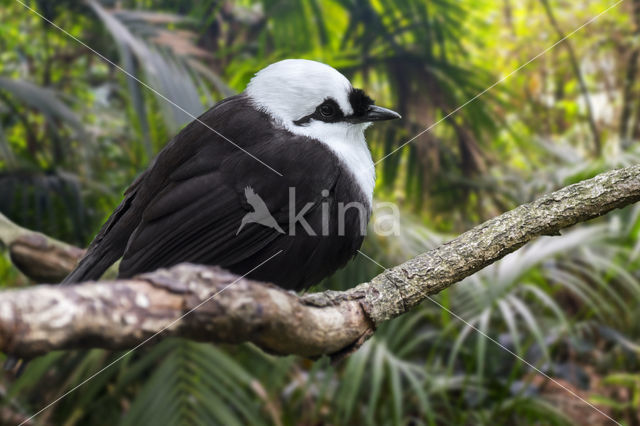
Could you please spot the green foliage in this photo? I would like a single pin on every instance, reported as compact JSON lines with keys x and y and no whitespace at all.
{"x":75,"y":131}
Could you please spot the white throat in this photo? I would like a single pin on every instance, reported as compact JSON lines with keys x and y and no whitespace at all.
{"x":291,"y":89}
{"x":348,"y":143}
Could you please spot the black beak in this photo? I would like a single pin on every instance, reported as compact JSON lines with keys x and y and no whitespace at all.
{"x":374,"y":113}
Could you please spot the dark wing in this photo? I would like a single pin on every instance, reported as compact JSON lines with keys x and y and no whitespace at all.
{"x":110,"y":243}
{"x":195,"y":215}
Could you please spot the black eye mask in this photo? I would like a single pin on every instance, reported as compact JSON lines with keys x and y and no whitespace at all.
{"x":328,"y":111}
{"x":360,"y":102}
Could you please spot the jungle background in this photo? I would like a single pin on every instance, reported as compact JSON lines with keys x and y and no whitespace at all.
{"x":75,"y":131}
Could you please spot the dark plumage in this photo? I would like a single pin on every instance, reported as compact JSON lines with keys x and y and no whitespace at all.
{"x":205,"y":200}
{"x":359,"y":101}
{"x":188,"y":205}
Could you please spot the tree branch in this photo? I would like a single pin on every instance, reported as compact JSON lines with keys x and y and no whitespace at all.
{"x":124,"y":313}
{"x":41,"y":258}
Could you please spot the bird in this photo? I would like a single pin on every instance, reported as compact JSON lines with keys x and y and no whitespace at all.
{"x":260,"y":213}
{"x":297,"y":128}
{"x":263,"y":184}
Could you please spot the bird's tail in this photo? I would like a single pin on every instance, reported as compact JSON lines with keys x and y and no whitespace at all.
{"x":242,"y":224}
{"x":106,"y":248}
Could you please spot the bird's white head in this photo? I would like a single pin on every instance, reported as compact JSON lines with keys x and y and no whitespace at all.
{"x":312,"y":99}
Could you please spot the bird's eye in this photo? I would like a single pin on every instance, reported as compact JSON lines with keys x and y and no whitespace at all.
{"x":327,"y":110}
